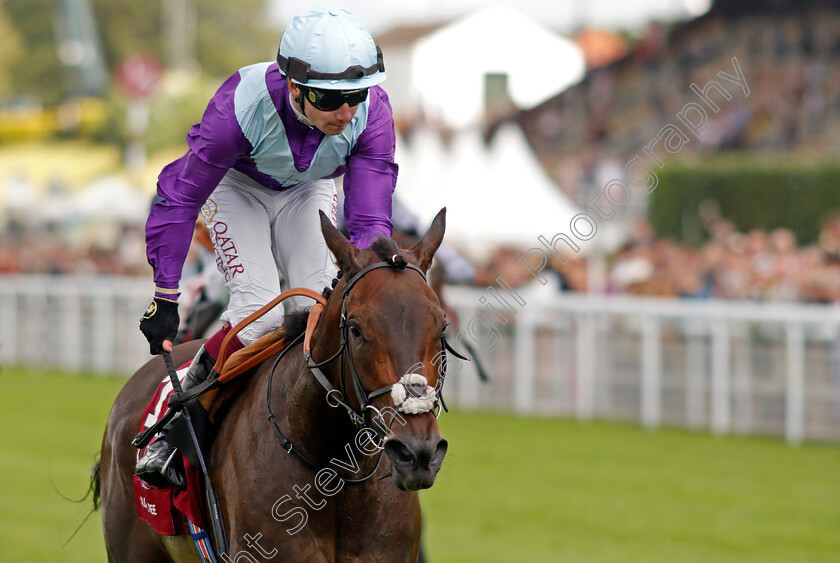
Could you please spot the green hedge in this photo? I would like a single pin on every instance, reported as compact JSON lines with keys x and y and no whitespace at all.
{"x":752,"y":195}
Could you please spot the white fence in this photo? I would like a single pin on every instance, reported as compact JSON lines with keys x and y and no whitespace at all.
{"x":74,"y":322}
{"x":730,"y":367}
{"x":748,"y":368}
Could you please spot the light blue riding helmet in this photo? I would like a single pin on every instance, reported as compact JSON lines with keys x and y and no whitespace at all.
{"x":328,"y":48}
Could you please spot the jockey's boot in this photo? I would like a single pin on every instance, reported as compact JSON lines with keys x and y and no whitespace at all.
{"x":161,"y":465}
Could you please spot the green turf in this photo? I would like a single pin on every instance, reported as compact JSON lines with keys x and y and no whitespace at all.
{"x":51,"y":426}
{"x":518,"y":489}
{"x":511,"y":489}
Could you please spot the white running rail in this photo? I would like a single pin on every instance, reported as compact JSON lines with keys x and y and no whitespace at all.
{"x":729,"y":367}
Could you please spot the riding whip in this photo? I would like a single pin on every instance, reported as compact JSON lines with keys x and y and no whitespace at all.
{"x":213,"y":505}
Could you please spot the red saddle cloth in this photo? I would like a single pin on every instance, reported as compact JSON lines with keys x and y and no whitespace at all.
{"x":166,"y":509}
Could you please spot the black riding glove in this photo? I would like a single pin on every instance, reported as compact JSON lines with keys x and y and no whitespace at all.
{"x":160,"y":323}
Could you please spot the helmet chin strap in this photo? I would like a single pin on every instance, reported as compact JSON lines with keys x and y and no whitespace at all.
{"x":300,"y":102}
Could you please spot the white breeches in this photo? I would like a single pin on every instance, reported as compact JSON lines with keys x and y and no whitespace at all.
{"x":260,"y":234}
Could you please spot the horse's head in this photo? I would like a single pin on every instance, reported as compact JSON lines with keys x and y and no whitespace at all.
{"x":391,"y":325}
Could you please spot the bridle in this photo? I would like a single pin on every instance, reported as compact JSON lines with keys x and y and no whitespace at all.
{"x":337,"y":397}
{"x":368,"y":419}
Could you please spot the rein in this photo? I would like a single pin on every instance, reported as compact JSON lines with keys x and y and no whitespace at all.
{"x":287,"y":444}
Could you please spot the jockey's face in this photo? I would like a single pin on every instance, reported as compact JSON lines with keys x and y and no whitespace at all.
{"x":330,"y":122}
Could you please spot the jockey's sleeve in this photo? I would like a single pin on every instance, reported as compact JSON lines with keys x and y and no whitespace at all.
{"x":371,"y":175}
{"x":184,"y":185}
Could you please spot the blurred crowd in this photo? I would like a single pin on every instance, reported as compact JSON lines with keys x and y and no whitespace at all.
{"x":41,"y":250}
{"x":791,"y":65}
{"x":756,"y":265}
{"x":767,"y":265}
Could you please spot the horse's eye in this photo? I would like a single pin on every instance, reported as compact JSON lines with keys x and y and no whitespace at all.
{"x":354,"y":330}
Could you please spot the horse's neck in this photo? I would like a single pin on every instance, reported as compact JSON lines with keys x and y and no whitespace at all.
{"x":321,"y":431}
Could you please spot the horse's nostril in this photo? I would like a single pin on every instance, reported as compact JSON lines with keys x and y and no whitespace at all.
{"x":440,"y":453}
{"x":441,"y":449}
{"x":399,"y":452}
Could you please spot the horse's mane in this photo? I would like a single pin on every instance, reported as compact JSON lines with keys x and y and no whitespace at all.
{"x":294,"y":324}
{"x":389,"y":251}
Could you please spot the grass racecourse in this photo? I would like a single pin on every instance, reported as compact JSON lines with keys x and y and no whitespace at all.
{"x":511,"y":489}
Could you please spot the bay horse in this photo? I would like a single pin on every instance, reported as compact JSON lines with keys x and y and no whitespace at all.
{"x":309,"y":482}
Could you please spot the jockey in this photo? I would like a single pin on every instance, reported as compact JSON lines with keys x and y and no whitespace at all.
{"x":260,"y":165}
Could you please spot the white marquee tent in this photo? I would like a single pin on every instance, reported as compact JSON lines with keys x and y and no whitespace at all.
{"x":510,"y":202}
{"x":495,"y":196}
{"x":449,"y":65}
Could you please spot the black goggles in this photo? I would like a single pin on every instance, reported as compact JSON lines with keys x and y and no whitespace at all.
{"x":331,"y":100}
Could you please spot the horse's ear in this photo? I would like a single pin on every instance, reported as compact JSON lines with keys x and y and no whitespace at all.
{"x":345,"y":252}
{"x":426,"y":247}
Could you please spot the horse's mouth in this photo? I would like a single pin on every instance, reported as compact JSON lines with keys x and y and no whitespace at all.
{"x":415,"y":462}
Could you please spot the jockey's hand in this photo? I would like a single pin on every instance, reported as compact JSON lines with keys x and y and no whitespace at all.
{"x":160,"y":325}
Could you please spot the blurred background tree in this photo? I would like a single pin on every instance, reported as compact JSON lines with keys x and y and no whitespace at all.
{"x":38,"y":73}
{"x":11,"y":51}
{"x":223,"y":35}
{"x":58,"y":60}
